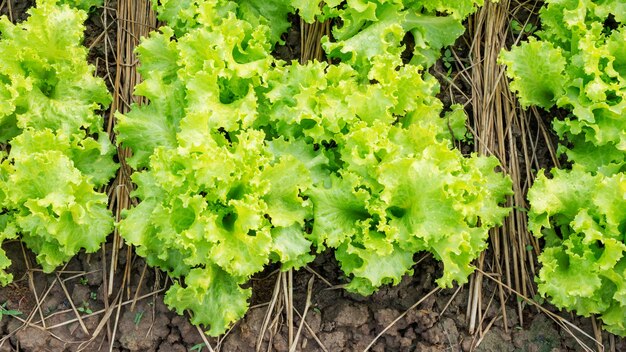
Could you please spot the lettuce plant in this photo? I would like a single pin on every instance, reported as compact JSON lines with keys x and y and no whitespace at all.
{"x":581,"y":218}
{"x":577,"y":63}
{"x":375,"y":28}
{"x":56,"y":152}
{"x":217,"y":202}
{"x":245,"y":160}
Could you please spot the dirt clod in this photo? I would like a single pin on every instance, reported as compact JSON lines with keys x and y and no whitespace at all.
{"x":140,"y":331}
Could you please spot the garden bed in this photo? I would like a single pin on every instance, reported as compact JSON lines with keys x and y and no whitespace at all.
{"x":111,"y":300}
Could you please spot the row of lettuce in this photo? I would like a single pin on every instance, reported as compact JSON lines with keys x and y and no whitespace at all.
{"x":244,"y":160}
{"x":578,"y":65}
{"x":248,"y":160}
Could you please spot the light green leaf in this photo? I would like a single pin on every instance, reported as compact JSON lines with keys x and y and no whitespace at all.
{"x":373,"y":269}
{"x":292,"y":249}
{"x":536,"y":69}
{"x":213,"y":297}
{"x":337,"y":209}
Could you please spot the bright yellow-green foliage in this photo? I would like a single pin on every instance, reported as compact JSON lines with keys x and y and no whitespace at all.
{"x":250,"y":160}
{"x":579,"y":64}
{"x":81,"y":4}
{"x":59,"y":153}
{"x":581,"y":217}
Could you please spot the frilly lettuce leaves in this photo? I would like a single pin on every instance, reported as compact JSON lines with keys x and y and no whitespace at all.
{"x":377,"y":28}
{"x":58,"y":153}
{"x":581,"y":218}
{"x":578,"y":64}
{"x":44,"y":75}
{"x":184,"y":15}
{"x":85,"y":5}
{"x":213,"y":295}
{"x":390,"y":204}
{"x":245,"y":159}
{"x":218,"y":201}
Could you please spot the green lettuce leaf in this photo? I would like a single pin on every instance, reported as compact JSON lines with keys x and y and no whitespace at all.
{"x":185,"y":15}
{"x":581,"y":69}
{"x":372,"y":269}
{"x":537,"y":72}
{"x":290,"y":247}
{"x":45,"y":70}
{"x":82,"y":4}
{"x":58,"y":153}
{"x":377,"y":28}
{"x":55,"y":206}
{"x":581,"y":217}
{"x":214,"y":298}
{"x":8,"y":229}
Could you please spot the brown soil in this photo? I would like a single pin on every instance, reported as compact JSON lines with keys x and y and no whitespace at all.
{"x":339,"y":320}
{"x":70,"y":309}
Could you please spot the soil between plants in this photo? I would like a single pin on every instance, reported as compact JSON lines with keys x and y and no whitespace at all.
{"x":339,"y":320}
